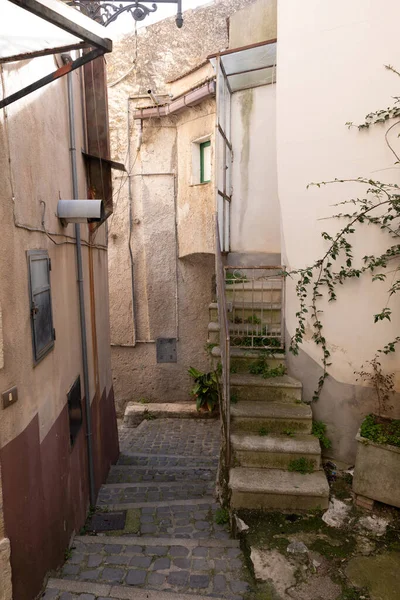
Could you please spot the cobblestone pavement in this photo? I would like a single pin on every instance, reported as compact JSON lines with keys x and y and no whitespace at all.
{"x":173,"y":436}
{"x":152,"y":492}
{"x":166,"y":477}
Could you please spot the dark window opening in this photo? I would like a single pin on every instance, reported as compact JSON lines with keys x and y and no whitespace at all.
{"x":43,"y":334}
{"x":75,"y":410}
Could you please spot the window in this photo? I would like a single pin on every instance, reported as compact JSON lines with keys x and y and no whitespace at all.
{"x":74,"y":410}
{"x":43,"y":334}
{"x":205,"y":162}
{"x":201,"y":160}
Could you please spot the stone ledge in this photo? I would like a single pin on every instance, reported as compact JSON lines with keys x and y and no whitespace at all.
{"x":135,"y":413}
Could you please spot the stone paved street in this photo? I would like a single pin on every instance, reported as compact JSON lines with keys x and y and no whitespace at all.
{"x":172,"y":545}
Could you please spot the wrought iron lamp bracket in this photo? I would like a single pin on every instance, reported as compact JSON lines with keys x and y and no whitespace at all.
{"x":108,"y":11}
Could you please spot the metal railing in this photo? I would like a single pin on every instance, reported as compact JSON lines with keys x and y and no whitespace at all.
{"x":225,"y":349}
{"x":255,"y":300}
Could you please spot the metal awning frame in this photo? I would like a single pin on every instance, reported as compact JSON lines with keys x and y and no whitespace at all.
{"x":218,"y":58}
{"x":89,"y":40}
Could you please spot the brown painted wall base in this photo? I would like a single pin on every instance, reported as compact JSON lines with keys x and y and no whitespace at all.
{"x":45,"y":491}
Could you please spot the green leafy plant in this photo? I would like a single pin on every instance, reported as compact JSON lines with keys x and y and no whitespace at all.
{"x":254,"y":320}
{"x":381,"y":431}
{"x":67,"y":553}
{"x":261,"y":367}
{"x":319,"y":430}
{"x":234,"y":277}
{"x":378,"y":205}
{"x":301,"y":465}
{"x":289,"y":432}
{"x":234,"y":398}
{"x":234,"y":367}
{"x":144,"y":401}
{"x":263,"y":431}
{"x":209,"y":346}
{"x":221,"y":516}
{"x":205,"y":389}
{"x":149,"y":416}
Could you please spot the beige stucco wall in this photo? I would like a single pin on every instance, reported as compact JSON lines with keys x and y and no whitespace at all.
{"x":35,"y":168}
{"x":315,"y":98}
{"x":255,"y":213}
{"x":172,"y":237}
{"x":256,"y":23}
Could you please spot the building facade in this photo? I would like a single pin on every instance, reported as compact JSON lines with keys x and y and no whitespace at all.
{"x":44,"y":460}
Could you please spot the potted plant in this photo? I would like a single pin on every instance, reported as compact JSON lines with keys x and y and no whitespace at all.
{"x":377,"y":468}
{"x":205,"y":389}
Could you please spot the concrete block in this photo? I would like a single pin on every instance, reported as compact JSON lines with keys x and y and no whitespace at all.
{"x":377,"y":472}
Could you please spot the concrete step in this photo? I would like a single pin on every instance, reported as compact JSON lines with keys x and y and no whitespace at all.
{"x":211,"y":567}
{"x":254,"y":291}
{"x":242,"y":359}
{"x":135,"y":474}
{"x":248,"y":387}
{"x":272,"y":417}
{"x":136,"y":412}
{"x":264,"y":489}
{"x":241,"y":333}
{"x":243,"y":312}
{"x":274,"y":451}
{"x":125,"y":493}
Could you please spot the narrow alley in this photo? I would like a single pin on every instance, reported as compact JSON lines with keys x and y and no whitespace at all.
{"x":174,"y":537}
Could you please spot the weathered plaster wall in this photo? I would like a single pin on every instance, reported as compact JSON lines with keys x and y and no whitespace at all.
{"x":255,"y":213}
{"x":34,"y":174}
{"x":256,"y":23}
{"x":313,"y":144}
{"x":172,"y":219}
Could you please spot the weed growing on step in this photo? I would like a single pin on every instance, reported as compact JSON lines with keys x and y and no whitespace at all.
{"x":234,"y":277}
{"x":149,"y":416}
{"x":209,"y":346}
{"x":263,"y":431}
{"x":144,"y":401}
{"x":221,"y":516}
{"x":234,"y":367}
{"x":68,"y":554}
{"x":234,"y":398}
{"x":289,"y":432}
{"x":319,"y":430}
{"x":301,"y":465}
{"x":261,"y":367}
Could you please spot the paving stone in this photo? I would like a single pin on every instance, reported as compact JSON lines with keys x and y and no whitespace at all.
{"x":117,"y":559}
{"x":233,"y":552}
{"x":66,"y":596}
{"x":94,"y":560}
{"x":147,"y":528}
{"x":90,"y":574}
{"x":140,"y":561}
{"x":133,"y":550}
{"x":178,"y":551}
{"x":70,"y":569}
{"x":161,"y":564}
{"x":136,"y":577}
{"x":156,"y":578}
{"x":115,"y":575}
{"x":199,"y":551}
{"x":87,"y":597}
{"x":178,"y":578}
{"x":157,"y":550}
{"x":199,"y":581}
{"x":202,"y":524}
{"x":50,"y":594}
{"x":239,"y":586}
{"x":112,"y":548}
{"x":219,"y":583}
{"x":182,"y":563}
{"x":199,"y":564}
{"x":76,"y":558}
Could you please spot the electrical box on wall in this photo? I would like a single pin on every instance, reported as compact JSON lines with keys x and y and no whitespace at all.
{"x":9,"y":397}
{"x":166,"y":350}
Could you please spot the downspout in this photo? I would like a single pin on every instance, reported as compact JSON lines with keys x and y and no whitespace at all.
{"x":72,"y":149}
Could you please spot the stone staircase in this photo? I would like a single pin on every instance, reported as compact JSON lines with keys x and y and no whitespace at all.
{"x":270,"y":425}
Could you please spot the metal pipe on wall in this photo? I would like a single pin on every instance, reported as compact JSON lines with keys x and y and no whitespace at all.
{"x":85,"y":367}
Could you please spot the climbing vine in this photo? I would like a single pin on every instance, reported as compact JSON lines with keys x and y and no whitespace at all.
{"x":379,"y":206}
